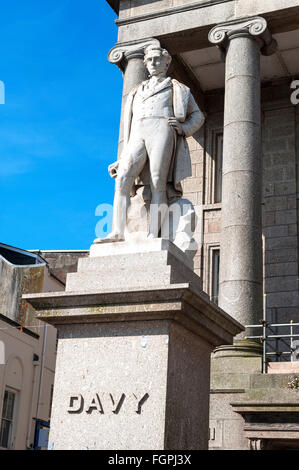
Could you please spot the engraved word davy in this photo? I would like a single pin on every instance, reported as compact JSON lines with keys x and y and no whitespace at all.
{"x":105,"y":403}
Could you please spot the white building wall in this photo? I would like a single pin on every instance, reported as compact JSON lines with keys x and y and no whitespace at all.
{"x":31,"y":381}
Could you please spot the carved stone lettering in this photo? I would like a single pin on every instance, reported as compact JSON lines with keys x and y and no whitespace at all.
{"x":95,"y":405}
{"x":76,"y":404}
{"x":117,"y":403}
{"x":141,"y":402}
{"x":108,"y":403}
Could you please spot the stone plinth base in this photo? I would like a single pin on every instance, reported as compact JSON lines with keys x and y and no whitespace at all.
{"x":125,"y":265}
{"x":270,"y":413}
{"x":133,"y":364}
{"x":231,"y":370}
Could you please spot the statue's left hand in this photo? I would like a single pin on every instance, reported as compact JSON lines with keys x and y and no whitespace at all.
{"x":173,"y":122}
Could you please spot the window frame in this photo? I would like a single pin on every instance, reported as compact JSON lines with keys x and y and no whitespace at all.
{"x":213,"y":160}
{"x":218,"y":165}
{"x":215,"y":279}
{"x":11,"y":420}
{"x":209,"y":275}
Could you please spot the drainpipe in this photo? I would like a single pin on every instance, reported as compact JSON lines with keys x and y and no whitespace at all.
{"x":35,"y":363}
{"x":40,"y":387}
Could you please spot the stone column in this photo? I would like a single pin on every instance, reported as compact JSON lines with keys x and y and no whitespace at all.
{"x":129,"y":58}
{"x":241,"y":237}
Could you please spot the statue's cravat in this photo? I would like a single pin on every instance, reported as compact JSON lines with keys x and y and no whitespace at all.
{"x":155,"y":85}
{"x":153,"y":82}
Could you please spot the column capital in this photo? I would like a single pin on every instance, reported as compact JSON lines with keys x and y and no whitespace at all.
{"x":256,"y":27}
{"x":121,"y":53}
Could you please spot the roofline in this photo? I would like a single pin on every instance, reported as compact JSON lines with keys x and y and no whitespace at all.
{"x":58,"y":251}
{"x":55,"y":277}
{"x":18,"y":326}
{"x":38,"y":260}
{"x":115,"y":5}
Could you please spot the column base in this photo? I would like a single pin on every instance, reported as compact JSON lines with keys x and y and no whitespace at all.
{"x":239,"y":348}
{"x":231,"y":368}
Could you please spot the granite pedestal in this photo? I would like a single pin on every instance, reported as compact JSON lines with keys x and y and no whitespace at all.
{"x":133,"y":363}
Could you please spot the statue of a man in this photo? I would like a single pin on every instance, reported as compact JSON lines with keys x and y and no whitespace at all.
{"x":159,"y":114}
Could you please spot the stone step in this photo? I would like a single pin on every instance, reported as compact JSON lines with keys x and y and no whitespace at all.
{"x":133,"y":261}
{"x":133,"y":247}
{"x":120,"y":278}
{"x":126,"y":265}
{"x":84,"y":281}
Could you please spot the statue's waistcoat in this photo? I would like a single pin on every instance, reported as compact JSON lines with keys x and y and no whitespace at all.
{"x":159,"y":104}
{"x":170,"y":98}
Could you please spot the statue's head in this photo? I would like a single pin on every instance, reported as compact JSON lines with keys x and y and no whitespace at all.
{"x":156,"y":60}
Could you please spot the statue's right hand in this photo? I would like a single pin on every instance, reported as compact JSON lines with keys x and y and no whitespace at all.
{"x":113,"y":169}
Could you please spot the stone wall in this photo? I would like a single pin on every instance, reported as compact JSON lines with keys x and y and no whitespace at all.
{"x":131,"y":8}
{"x":280,"y":221}
{"x":62,"y":262}
{"x":16,"y":280}
{"x":238,"y":391}
{"x":198,"y":189}
{"x":280,"y":136}
{"x":193,"y":188}
{"x":139,"y":19}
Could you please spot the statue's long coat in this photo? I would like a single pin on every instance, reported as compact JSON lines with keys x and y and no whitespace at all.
{"x":187,"y":112}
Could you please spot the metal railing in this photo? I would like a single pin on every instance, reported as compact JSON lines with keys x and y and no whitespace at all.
{"x":268,"y":336}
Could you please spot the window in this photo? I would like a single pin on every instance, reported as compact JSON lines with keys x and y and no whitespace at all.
{"x":7,"y":419}
{"x":218,"y":145}
{"x":211,"y":271}
{"x":213,"y":166}
{"x":215,"y":275}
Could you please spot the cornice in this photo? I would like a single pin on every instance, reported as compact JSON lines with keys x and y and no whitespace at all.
{"x":170,"y":11}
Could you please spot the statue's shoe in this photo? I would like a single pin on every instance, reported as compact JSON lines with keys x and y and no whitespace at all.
{"x":111,"y":238}
{"x":150,"y":236}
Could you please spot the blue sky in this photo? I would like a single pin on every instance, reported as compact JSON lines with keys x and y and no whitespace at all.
{"x":59,"y":125}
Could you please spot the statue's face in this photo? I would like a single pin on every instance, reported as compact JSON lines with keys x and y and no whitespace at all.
{"x":156,"y":63}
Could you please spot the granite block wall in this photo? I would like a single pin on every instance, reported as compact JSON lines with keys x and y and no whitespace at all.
{"x":280,"y":157}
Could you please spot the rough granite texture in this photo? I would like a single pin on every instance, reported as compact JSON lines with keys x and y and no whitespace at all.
{"x":126,"y":264}
{"x":240,"y":289}
{"x":103,"y":359}
{"x":149,"y":359}
{"x":120,"y":345}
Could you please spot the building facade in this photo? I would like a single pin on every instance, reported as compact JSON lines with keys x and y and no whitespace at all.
{"x":240,"y":60}
{"x":27,"y":351}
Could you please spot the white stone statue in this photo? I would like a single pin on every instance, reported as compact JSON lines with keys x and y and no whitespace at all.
{"x":159,"y":114}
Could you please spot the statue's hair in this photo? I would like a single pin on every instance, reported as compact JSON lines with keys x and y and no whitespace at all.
{"x":162,"y":51}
